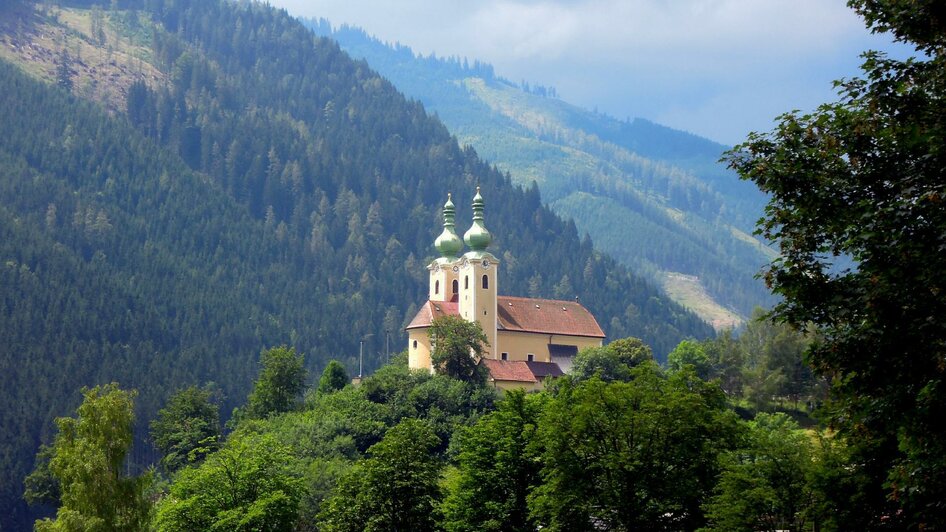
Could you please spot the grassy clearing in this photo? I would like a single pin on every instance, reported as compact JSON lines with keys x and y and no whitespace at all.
{"x":689,"y":292}
{"x":101,"y":71}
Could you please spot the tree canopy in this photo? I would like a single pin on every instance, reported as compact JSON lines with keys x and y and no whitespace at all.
{"x":187,"y":428}
{"x":87,"y":458}
{"x":333,"y":378}
{"x":857,"y":211}
{"x":458,"y":346}
{"x":280,"y":384}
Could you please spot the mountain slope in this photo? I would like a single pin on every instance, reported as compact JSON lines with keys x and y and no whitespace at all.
{"x":685,"y":207}
{"x":220,"y":181}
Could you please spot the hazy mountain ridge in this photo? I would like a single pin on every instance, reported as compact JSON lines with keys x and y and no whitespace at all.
{"x":670,"y":179}
{"x":252,"y":186}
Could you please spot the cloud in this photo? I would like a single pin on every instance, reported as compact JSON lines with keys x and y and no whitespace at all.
{"x":725,"y":64}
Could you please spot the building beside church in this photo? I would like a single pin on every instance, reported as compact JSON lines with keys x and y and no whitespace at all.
{"x":529,"y":339}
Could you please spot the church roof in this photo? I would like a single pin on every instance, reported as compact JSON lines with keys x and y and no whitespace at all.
{"x":546,"y":316}
{"x":431,"y":310}
{"x":521,"y":370}
{"x":523,"y":314}
{"x":509,"y":370}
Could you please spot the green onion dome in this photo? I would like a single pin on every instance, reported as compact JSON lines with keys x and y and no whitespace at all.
{"x":477,"y":237}
{"x":448,"y":243}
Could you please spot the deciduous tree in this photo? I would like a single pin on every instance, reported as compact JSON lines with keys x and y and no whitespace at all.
{"x":862,"y":180}
{"x":396,"y":488}
{"x":280,"y":384}
{"x":497,"y":469}
{"x":458,"y":345}
{"x":252,"y":483}
{"x":334,"y":378}
{"x":631,"y":455}
{"x":187,"y":428}
{"x":87,"y":458}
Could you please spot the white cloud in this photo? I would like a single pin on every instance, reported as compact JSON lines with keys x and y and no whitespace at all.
{"x":693,"y":63}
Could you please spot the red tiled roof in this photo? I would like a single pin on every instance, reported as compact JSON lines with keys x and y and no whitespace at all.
{"x":433,"y":309}
{"x":522,"y":314}
{"x":547,"y":316}
{"x":508,"y":370}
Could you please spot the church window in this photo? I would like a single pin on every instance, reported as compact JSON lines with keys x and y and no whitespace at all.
{"x":456,"y":286}
{"x":415,"y":344}
{"x":466,"y":282}
{"x":531,"y":357}
{"x":485,"y":282}
{"x":437,"y":287}
{"x":505,"y":356}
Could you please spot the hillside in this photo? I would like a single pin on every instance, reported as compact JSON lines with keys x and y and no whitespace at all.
{"x":654,"y":198}
{"x":186,"y":184}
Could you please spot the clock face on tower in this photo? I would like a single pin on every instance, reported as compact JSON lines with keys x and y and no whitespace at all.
{"x":485,"y":263}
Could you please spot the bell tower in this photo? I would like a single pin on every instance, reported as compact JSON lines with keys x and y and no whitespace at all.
{"x":444,"y":270}
{"x":478,"y":278}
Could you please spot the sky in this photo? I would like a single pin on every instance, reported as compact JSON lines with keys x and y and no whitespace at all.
{"x":717,"y":68}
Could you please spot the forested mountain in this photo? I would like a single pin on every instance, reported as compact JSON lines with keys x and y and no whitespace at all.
{"x":186,"y":182}
{"x":655,"y":198}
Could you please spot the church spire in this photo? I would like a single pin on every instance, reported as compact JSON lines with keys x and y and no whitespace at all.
{"x":477,"y":237}
{"x":448,"y":243}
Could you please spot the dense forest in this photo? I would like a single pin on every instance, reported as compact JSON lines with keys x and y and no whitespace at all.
{"x":617,"y":444}
{"x":679,"y":209}
{"x":256,"y":188}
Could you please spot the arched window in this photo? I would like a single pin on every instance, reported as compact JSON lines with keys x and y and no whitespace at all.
{"x":466,"y":282}
{"x":456,"y":286}
{"x":436,"y":287}
{"x":415,"y":344}
{"x":485,"y":281}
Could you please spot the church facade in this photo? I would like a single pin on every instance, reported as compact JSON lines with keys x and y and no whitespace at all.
{"x":529,"y":339}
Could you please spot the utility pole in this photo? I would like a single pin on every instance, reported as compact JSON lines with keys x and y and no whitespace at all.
{"x":361,"y":354}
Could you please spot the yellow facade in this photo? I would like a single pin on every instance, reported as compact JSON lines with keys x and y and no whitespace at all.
{"x":519,"y":345}
{"x":443,"y":280}
{"x":418,"y":349}
{"x":515,"y":385}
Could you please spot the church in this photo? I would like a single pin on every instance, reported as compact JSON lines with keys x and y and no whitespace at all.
{"x":529,"y":339}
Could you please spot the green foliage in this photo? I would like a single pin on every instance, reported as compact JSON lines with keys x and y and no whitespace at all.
{"x":611,"y":362}
{"x":631,"y":455}
{"x":497,"y":469}
{"x":252,"y":483}
{"x":42,"y":486}
{"x":188,"y":428}
{"x":765,"y":365}
{"x":280,"y":384}
{"x":87,"y":459}
{"x":690,"y":353}
{"x":396,"y":488}
{"x":862,"y":179}
{"x":770,"y":483}
{"x":458,"y":346}
{"x":333,"y":378}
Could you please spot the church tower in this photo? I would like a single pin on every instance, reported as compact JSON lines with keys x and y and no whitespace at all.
{"x":478,"y":278}
{"x":444,"y":270}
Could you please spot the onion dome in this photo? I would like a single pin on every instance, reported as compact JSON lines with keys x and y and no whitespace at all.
{"x":477,"y":237}
{"x":448,"y":243}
